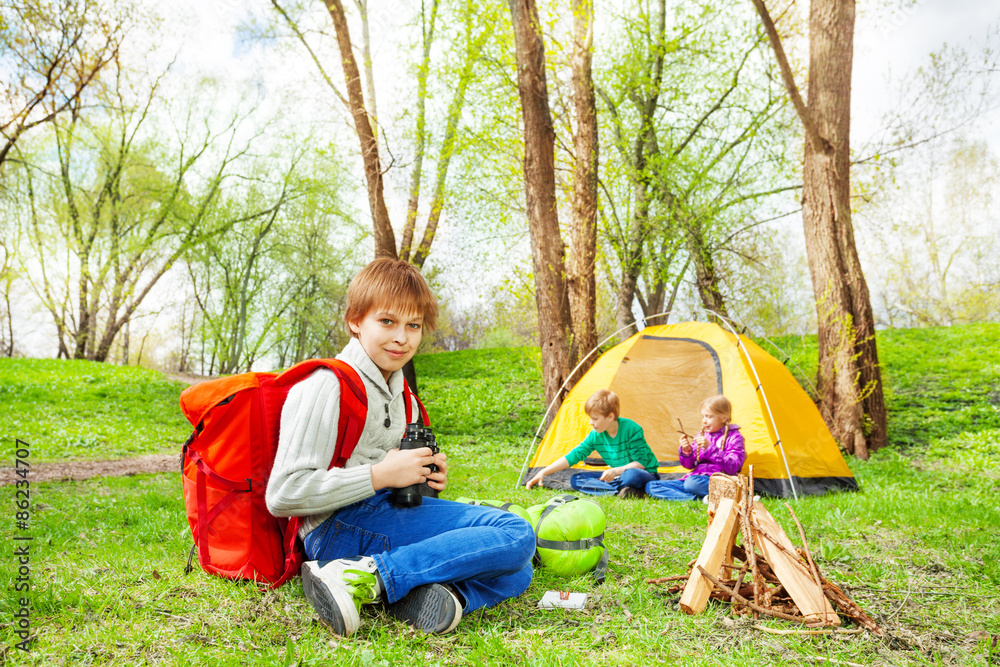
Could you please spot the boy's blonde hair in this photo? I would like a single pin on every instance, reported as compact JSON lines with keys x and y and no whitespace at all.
{"x":393,"y":284}
{"x":718,"y":405}
{"x":604,"y":403}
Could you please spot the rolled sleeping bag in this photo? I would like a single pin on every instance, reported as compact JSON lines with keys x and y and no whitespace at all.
{"x":569,"y":536}
{"x":500,"y":505}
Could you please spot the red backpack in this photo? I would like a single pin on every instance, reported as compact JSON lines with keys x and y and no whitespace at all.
{"x":227,"y":461}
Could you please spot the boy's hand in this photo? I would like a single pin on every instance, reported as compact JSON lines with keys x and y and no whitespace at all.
{"x":402,"y":467}
{"x":537,"y":479}
{"x":610,"y":474}
{"x":438,"y":480}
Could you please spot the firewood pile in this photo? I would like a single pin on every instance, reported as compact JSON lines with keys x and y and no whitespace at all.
{"x":766,"y":574}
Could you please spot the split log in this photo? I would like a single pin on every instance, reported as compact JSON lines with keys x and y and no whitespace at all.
{"x":742,"y":600}
{"x":698,"y":588}
{"x":796,"y":578}
{"x":722,"y":486}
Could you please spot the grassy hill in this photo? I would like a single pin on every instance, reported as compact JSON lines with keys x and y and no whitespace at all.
{"x":916,"y":547}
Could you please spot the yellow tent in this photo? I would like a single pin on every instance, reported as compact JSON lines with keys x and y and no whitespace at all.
{"x":663,"y":373}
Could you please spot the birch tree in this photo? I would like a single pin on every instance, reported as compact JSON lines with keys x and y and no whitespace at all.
{"x":698,"y":137}
{"x":117,"y":205}
{"x":50,"y":53}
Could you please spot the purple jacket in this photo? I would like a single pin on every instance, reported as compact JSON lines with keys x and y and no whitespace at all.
{"x":727,"y":458}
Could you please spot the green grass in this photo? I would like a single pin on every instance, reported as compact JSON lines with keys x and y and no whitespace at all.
{"x":82,"y":410}
{"x":916,"y":547}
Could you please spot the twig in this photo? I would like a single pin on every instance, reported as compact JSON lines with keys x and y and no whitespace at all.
{"x":827,"y":631}
{"x":663,"y":580}
{"x":848,"y":606}
{"x":748,"y":534}
{"x":680,"y":428}
{"x":773,"y":540}
{"x":905,"y":599}
{"x":742,"y":600}
{"x":831,"y":661}
{"x":809,"y":559}
{"x":739,"y":577}
{"x":924,"y":592}
{"x":167,"y":613}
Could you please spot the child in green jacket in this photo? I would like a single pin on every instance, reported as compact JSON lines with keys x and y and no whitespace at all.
{"x":621,"y":444}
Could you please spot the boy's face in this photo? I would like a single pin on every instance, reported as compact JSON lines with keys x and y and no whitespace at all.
{"x":389,"y":338}
{"x":600,"y":423}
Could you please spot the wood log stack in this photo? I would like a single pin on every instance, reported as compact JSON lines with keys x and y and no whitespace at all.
{"x":766,"y":574}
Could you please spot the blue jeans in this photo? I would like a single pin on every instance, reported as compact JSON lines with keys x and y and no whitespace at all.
{"x":485,"y":553}
{"x":589,"y":481}
{"x":690,"y":488}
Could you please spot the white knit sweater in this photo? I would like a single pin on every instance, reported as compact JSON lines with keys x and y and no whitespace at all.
{"x":300,"y":483}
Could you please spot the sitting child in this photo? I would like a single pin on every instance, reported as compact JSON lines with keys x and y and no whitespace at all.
{"x":621,"y":444}
{"x":718,"y":448}
{"x":428,"y":564}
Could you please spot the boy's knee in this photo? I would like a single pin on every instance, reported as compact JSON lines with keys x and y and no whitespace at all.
{"x":522,"y":536}
{"x":632,"y":477}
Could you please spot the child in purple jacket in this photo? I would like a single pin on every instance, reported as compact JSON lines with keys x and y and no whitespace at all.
{"x":718,"y":448}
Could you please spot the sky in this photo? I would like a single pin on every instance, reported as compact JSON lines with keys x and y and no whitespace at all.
{"x":204,"y":39}
{"x":890,"y":44}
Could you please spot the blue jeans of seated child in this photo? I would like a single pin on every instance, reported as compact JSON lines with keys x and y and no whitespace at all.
{"x":485,"y":553}
{"x":589,"y":481}
{"x":690,"y":488}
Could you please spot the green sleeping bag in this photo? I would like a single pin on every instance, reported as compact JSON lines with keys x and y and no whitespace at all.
{"x":500,"y":505}
{"x":569,"y":535}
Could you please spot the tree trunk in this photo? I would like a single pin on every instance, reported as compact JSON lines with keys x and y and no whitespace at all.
{"x":581,"y":281}
{"x":706,"y":277}
{"x":366,"y":50}
{"x":849,"y":378}
{"x":631,"y":258}
{"x":385,"y":238}
{"x":645,"y":146}
{"x":540,"y":194}
{"x":449,"y":142}
{"x":421,"y":135}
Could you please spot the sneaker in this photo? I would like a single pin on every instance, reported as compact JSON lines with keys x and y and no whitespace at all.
{"x":433,"y":608}
{"x":337,"y":588}
{"x":630,"y":492}
{"x":704,"y":499}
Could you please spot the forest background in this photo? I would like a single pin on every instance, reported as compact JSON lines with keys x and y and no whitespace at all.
{"x":188,"y":193}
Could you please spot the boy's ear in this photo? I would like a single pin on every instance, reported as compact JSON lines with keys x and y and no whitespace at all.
{"x":355,"y":327}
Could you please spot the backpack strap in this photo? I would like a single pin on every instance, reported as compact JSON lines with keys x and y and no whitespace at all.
{"x":408,"y":398}
{"x":353,"y":402}
{"x":353,"y":413}
{"x":205,"y":518}
{"x":567,"y":545}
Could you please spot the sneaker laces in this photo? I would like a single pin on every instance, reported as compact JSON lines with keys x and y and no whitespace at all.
{"x":362,"y":585}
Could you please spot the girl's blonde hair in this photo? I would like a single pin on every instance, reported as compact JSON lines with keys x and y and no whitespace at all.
{"x":394,"y":284}
{"x":718,"y":405}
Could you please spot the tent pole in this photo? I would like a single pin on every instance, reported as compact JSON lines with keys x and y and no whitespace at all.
{"x":531,"y":449}
{"x":760,"y":387}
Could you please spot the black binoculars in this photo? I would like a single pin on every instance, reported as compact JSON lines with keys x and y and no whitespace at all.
{"x":416,"y":436}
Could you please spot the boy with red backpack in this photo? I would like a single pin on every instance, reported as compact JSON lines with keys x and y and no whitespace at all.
{"x":428,"y":564}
